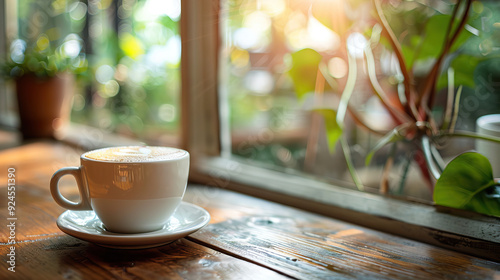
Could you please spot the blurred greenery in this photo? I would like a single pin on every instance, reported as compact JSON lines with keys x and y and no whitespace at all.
{"x":270,"y":52}
{"x":44,"y":62}
{"x":290,"y":39}
{"x":46,"y":44}
{"x":129,"y":56}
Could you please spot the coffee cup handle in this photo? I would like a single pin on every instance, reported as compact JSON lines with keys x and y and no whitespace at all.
{"x":76,"y":172}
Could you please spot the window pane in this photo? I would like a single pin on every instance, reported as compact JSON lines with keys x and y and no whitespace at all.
{"x":132,"y":51}
{"x":134,"y":57}
{"x":288,"y":64}
{"x":270,"y":120}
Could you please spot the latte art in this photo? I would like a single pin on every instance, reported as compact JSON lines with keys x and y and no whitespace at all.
{"x":135,"y":154}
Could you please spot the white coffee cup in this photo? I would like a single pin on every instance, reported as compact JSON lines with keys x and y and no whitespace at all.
{"x":131,"y":189}
{"x":489,"y":125}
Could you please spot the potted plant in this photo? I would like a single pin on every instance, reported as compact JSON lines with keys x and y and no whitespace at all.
{"x":44,"y":78}
{"x":466,"y":182}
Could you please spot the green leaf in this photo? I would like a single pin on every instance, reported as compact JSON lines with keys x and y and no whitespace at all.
{"x":304,"y":70}
{"x":464,"y":66}
{"x":168,"y":23}
{"x":466,"y":183}
{"x":435,"y":33}
{"x":408,"y":55}
{"x":430,"y":44}
{"x":333,"y":130}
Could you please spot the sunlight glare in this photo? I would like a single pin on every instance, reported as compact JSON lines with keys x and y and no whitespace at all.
{"x":155,"y":8}
{"x":337,"y":67}
{"x":104,"y":73}
{"x":272,"y":7}
{"x":321,"y":37}
{"x":356,"y":44}
{"x":246,"y":38}
{"x":259,"y":82}
{"x":258,"y":21}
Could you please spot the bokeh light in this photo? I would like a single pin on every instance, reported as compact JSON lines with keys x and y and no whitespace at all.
{"x":43,"y":42}
{"x":246,"y":38}
{"x":356,"y":44}
{"x":17,"y":49}
{"x":259,"y":82}
{"x":320,"y":37}
{"x":104,"y":73}
{"x":72,"y":46}
{"x":77,"y":11}
{"x":153,"y":9}
{"x":337,"y":67}
{"x":272,"y":7}
{"x":167,"y":112}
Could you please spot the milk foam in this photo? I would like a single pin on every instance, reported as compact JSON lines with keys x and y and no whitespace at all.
{"x":135,"y":154}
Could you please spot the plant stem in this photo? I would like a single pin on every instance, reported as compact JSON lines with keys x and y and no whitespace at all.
{"x":312,"y":141}
{"x":348,"y":90}
{"x":408,"y":78}
{"x":420,"y":160}
{"x":429,"y":89}
{"x":436,"y":157}
{"x":429,"y":158}
{"x":406,"y":169}
{"x":469,"y":134}
{"x":457,"y":108}
{"x":449,"y":99}
{"x":358,"y":120}
{"x":397,"y":115}
{"x":350,"y":165}
{"x":384,"y":184}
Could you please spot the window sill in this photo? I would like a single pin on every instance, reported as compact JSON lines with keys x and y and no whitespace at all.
{"x":89,"y":138}
{"x":454,"y":229}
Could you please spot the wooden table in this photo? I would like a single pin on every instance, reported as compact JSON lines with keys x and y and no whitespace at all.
{"x":247,"y":238}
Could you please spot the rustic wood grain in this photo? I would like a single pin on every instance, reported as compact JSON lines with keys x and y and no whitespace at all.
{"x":248,"y":238}
{"x":65,"y":257}
{"x":44,"y":252}
{"x":309,"y":246}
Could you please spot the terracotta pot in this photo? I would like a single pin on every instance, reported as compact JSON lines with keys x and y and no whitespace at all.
{"x":44,"y":104}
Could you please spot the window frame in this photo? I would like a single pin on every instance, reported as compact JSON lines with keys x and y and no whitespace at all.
{"x":203,"y":132}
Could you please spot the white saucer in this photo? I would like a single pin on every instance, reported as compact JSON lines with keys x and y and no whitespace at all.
{"x":85,"y":225}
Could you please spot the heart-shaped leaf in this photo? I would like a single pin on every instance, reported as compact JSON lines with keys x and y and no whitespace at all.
{"x":467,"y":183}
{"x":333,"y":130}
{"x":304,"y":70}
